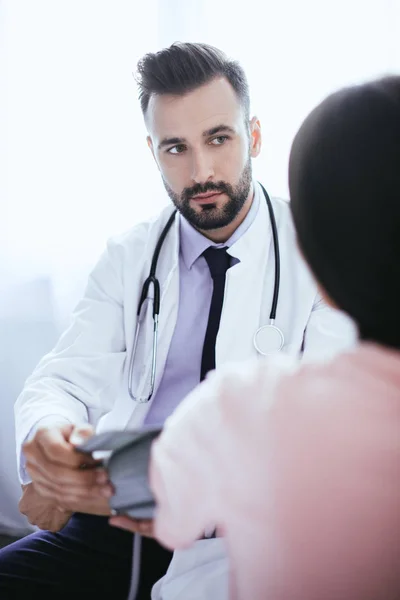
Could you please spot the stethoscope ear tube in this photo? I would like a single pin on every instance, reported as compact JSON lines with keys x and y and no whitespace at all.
{"x":269,"y":339}
{"x":277,"y":256}
{"x":152,"y":279}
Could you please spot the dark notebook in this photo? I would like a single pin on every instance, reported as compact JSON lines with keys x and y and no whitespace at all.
{"x":127,"y":466}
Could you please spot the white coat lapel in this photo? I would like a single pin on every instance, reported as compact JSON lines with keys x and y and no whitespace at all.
{"x":244,"y":291}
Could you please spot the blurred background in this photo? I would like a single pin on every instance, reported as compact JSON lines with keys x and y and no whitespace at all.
{"x":74,"y":165}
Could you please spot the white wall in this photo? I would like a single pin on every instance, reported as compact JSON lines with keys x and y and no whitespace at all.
{"x":295,"y":52}
{"x":79,"y":170}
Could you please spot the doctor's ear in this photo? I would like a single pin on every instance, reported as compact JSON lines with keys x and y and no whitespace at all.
{"x":150,"y":145}
{"x":255,"y":137}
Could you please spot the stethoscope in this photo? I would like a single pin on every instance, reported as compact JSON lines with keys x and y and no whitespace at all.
{"x":267,"y":340}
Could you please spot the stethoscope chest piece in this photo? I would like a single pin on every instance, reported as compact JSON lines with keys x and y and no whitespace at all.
{"x":268,"y":339}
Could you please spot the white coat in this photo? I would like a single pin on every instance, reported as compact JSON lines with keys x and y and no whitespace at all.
{"x":85,"y":377}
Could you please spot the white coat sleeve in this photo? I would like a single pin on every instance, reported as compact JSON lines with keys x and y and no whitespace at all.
{"x":328,"y":332}
{"x":77,"y":381}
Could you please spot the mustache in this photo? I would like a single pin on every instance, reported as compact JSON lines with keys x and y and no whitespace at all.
{"x":204,"y":188}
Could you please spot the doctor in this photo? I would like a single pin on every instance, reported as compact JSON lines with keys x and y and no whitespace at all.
{"x":219,"y":274}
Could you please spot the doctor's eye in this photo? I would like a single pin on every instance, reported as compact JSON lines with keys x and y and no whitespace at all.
{"x":218,"y":141}
{"x":177,"y":149}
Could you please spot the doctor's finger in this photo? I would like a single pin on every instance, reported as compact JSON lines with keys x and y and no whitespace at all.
{"x":69,"y":497}
{"x":58,"y":450}
{"x":65,"y":476}
{"x":142,"y":526}
{"x":61,"y":488}
{"x":82,"y":474}
{"x":56,"y":497}
{"x":96,"y":506}
{"x":44,"y":446}
{"x":35,"y":454}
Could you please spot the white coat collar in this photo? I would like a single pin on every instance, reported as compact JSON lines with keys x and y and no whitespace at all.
{"x":258,"y":235}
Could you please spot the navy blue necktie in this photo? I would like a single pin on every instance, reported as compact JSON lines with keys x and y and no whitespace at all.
{"x":218,"y":261}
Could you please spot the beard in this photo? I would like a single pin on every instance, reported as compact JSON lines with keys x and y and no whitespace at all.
{"x":210,"y":216}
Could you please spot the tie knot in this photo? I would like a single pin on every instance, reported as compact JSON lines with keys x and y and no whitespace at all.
{"x":218,"y":261}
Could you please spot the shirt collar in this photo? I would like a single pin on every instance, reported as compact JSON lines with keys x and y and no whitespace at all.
{"x":193,"y":243}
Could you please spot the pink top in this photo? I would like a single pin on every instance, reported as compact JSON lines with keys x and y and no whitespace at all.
{"x":299,"y":466}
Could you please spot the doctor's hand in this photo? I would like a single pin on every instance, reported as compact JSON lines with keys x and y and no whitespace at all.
{"x":143,"y":527}
{"x":61,"y":476}
{"x":41,"y":512}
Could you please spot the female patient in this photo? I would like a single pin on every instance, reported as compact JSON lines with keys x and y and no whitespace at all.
{"x":299,"y":465}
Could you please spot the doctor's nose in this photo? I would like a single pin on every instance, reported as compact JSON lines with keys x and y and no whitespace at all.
{"x":202,"y":168}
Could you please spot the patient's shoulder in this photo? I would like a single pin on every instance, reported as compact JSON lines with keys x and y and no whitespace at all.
{"x":359,"y":386}
{"x":366,"y":374}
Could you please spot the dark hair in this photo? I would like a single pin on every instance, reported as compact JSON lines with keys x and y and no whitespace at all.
{"x":183,"y":67}
{"x":344,"y":179}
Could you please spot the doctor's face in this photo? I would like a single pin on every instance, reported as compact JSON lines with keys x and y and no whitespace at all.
{"x":203,"y":147}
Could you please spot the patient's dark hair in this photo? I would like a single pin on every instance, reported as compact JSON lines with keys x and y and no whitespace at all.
{"x":344,"y":179}
{"x":183,"y":67}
